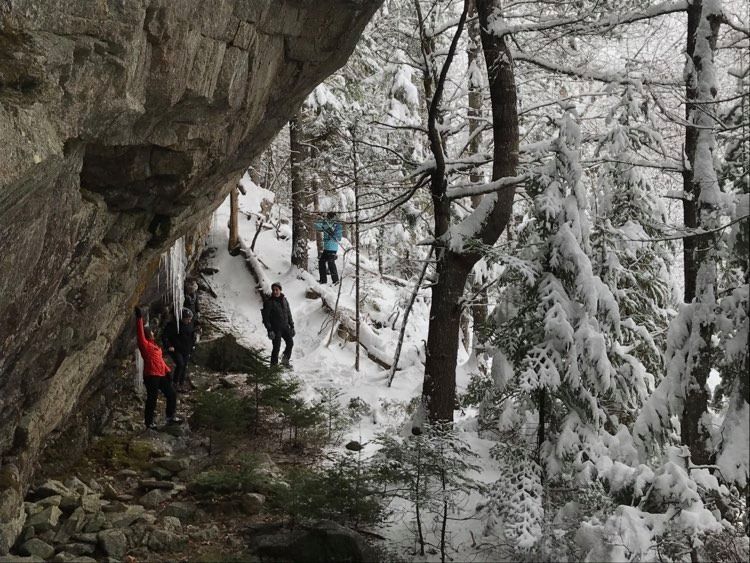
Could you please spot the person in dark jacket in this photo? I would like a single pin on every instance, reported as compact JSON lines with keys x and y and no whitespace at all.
{"x":191,"y":300}
{"x":179,"y":342}
{"x":332,"y":233}
{"x":155,"y":374}
{"x":277,"y":318}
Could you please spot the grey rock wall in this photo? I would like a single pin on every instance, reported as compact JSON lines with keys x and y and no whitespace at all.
{"x":123,"y":123}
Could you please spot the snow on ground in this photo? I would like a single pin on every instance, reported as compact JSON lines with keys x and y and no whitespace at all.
{"x":320,"y":364}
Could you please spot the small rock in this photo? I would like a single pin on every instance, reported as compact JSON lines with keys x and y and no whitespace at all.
{"x":37,"y":548}
{"x":109,"y":492}
{"x":54,"y":500}
{"x":45,"y":520}
{"x":51,"y":488}
{"x":91,"y":503}
{"x":126,"y":473}
{"x":162,"y":540}
{"x":95,"y":486}
{"x":78,"y":486}
{"x":153,"y":498}
{"x":172,"y":524}
{"x":160,"y":473}
{"x":97,"y":522}
{"x":252,"y":503}
{"x":114,"y":507}
{"x":84,"y":537}
{"x":156,"y":484}
{"x":173,"y":464}
{"x":72,"y":525}
{"x":70,"y":502}
{"x":20,"y":559}
{"x":125,"y":519}
{"x":113,"y":543}
{"x":182,"y":510}
{"x":203,"y":534}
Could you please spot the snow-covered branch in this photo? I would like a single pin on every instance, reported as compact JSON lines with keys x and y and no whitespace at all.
{"x":587,"y":74}
{"x":581,"y":26}
{"x":467,"y":190}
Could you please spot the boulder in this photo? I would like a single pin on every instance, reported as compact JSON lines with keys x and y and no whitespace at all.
{"x":171,"y":524}
{"x":113,"y":543}
{"x":37,"y":548}
{"x":172,"y":464}
{"x":160,"y":473}
{"x":162,"y":540}
{"x":72,"y":525}
{"x":96,"y":523}
{"x":125,"y":519}
{"x":45,"y":520}
{"x":77,"y":486}
{"x":85,"y":537}
{"x":54,"y":500}
{"x":50,"y":488}
{"x":91,"y":503}
{"x":252,"y":503}
{"x":185,"y":511}
{"x":199,"y":533}
{"x":153,"y":498}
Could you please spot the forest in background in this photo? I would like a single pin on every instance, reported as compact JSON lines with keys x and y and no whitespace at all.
{"x":569,"y":180}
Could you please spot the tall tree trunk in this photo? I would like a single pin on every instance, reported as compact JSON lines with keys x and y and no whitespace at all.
{"x":453,"y":268}
{"x":234,"y":235}
{"x":697,"y":250}
{"x":479,"y":306}
{"x":316,"y":210}
{"x":299,"y":223}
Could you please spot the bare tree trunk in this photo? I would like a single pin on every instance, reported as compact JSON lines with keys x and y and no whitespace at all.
{"x":299,"y":223}
{"x":234,"y":235}
{"x":453,"y":268}
{"x":479,"y":306}
{"x":413,"y":298}
{"x":697,"y":250}
{"x":355,"y":156}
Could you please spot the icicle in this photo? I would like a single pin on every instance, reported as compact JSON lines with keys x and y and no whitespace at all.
{"x":138,"y":376}
{"x":174,"y":263}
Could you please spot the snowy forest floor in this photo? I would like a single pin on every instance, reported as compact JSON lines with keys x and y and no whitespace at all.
{"x":324,"y":367}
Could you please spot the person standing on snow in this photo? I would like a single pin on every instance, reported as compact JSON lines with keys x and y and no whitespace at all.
{"x":277,"y":318}
{"x":156,"y":374}
{"x":332,"y":232}
{"x":179,"y":342}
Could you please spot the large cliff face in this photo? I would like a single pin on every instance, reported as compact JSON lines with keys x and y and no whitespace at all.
{"x":122,"y":124}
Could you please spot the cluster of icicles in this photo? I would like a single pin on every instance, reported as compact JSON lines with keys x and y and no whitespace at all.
{"x":173,"y":263}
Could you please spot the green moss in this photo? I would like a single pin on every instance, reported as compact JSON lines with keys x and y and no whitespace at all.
{"x":120,"y":452}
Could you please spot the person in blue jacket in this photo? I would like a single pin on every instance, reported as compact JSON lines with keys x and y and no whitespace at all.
{"x":332,"y":232}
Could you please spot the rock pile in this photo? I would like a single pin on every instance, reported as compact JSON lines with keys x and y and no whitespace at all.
{"x":107,"y":518}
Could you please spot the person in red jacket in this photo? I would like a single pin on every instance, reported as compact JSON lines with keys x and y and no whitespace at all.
{"x":156,"y":374}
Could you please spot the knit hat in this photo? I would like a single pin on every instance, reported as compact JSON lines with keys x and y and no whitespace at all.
{"x":276,"y":284}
